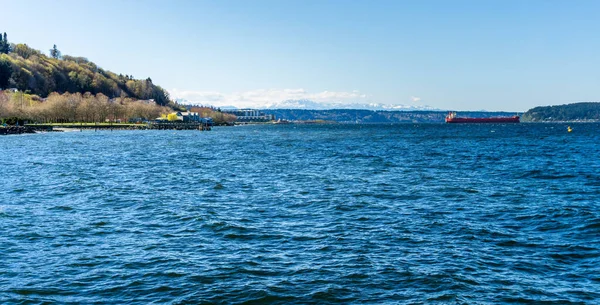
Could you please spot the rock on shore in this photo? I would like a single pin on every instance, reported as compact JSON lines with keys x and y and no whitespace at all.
{"x":16,"y":130}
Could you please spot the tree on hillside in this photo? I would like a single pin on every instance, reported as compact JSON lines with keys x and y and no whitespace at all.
{"x":5,"y":72}
{"x":54,"y":52}
{"x":25,"y":51}
{"x":4,"y":45}
{"x":26,"y":68}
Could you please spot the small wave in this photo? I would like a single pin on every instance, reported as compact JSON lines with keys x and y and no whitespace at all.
{"x":592,"y":226}
{"x":333,"y":294}
{"x":511,"y":243}
{"x":41,"y":292}
{"x":443,"y":297}
{"x":569,"y":257}
{"x":356,"y":276}
{"x":546,"y":175}
{"x":534,"y":300}
{"x":241,"y":236}
{"x":223,"y":226}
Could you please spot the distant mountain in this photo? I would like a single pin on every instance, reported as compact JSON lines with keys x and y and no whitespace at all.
{"x":371,"y":116}
{"x":313,"y":105}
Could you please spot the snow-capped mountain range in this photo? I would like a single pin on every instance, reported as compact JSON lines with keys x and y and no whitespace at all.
{"x":313,"y":105}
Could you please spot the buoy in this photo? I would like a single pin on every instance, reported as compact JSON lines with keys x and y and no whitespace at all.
{"x":569,"y":129}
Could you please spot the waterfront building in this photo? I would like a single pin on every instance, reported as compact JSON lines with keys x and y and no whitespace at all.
{"x":250,"y":115}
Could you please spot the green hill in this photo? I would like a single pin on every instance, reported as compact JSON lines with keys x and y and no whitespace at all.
{"x":587,"y":111}
{"x":32,"y":71}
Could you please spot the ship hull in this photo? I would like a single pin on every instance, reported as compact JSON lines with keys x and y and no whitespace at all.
{"x":514,"y":119}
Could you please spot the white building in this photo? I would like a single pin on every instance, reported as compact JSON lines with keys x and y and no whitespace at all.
{"x":250,"y":115}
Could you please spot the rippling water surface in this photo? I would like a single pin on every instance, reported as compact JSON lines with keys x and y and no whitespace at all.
{"x":402,"y":214}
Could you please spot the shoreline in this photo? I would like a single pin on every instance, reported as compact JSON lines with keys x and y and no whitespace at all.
{"x":13,"y":130}
{"x":125,"y":126}
{"x":70,"y":127}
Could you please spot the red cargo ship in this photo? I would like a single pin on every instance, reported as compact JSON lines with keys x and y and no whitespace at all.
{"x":452,"y":118}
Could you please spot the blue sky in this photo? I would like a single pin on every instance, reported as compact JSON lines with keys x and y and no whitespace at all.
{"x":459,"y":55}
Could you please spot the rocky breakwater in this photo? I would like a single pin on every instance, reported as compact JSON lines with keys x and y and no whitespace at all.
{"x":16,"y":130}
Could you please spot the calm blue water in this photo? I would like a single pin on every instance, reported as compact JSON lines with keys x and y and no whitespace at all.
{"x":401,"y":214}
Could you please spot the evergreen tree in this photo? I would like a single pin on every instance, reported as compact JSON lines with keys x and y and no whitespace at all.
{"x":4,"y":45}
{"x":5,"y":73}
{"x":55,"y":53}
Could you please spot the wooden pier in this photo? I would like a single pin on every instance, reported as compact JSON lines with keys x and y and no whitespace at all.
{"x":179,"y":126}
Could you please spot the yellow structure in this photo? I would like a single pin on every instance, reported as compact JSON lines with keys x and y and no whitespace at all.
{"x":172,"y":117}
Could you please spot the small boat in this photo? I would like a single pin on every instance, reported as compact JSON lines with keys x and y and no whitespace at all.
{"x":452,"y":118}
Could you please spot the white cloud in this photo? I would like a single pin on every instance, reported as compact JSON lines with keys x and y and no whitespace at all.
{"x":266,"y":97}
{"x":415,"y":99}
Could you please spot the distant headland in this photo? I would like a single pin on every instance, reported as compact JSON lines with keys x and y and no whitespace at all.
{"x":576,"y":112}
